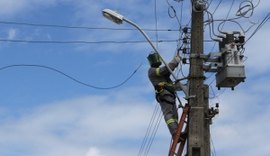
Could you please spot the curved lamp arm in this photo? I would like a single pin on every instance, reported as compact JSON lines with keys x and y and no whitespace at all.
{"x":118,"y":19}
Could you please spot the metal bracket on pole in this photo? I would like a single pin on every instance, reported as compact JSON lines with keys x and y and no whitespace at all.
{"x":202,"y":56}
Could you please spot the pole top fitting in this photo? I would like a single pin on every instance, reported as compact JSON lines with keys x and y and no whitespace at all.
{"x":199,"y":5}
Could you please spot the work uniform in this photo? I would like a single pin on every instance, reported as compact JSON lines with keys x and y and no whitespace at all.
{"x":165,"y":92}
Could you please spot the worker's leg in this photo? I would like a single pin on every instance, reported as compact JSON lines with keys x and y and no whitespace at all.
{"x":168,"y":107}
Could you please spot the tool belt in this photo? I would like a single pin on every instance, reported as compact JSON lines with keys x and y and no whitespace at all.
{"x":165,"y":85}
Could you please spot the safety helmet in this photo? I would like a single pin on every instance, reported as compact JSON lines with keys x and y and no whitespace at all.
{"x":154,"y":59}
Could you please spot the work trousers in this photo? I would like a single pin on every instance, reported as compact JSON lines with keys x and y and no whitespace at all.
{"x":167,"y":103}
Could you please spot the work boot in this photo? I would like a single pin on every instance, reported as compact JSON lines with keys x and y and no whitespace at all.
{"x":182,"y":137}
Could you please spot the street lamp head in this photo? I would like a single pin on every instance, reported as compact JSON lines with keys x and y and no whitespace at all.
{"x":113,"y":16}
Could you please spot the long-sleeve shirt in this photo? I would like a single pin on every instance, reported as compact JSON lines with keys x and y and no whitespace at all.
{"x":162,"y":74}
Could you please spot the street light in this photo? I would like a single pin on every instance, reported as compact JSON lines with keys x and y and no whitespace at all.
{"x":113,"y":16}
{"x":118,"y":19}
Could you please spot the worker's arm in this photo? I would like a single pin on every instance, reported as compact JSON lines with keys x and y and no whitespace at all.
{"x":172,"y":64}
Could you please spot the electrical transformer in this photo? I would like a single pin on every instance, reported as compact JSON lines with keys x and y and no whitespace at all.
{"x":232,"y":71}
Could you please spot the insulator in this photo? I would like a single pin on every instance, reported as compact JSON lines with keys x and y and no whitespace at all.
{"x":242,"y":39}
{"x":184,"y":60}
{"x":236,"y":40}
{"x":184,"y":50}
{"x":199,"y":5}
{"x":185,"y":30}
{"x":185,"y":40}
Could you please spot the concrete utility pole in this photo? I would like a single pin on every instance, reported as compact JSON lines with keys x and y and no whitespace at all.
{"x":198,"y":142}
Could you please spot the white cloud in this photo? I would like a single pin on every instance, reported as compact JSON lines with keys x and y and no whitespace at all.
{"x":240,"y":128}
{"x":257,"y":51}
{"x":71,"y":127}
{"x":11,"y":34}
{"x":14,"y":7}
{"x":11,"y":6}
{"x":93,"y":151}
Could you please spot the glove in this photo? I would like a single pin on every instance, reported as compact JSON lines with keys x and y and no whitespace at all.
{"x":177,"y":58}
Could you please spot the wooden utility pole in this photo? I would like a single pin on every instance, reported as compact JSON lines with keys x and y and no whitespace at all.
{"x":198,"y":142}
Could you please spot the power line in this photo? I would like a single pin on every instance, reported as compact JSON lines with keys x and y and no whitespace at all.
{"x":156,"y":22}
{"x":149,"y":129}
{"x":172,"y":13}
{"x":214,"y":149}
{"x":83,"y":42}
{"x":76,"y":42}
{"x":75,"y":27}
{"x":70,"y":77}
{"x":217,"y":7}
{"x":259,"y":27}
{"x":228,"y":14}
{"x":153,"y":135}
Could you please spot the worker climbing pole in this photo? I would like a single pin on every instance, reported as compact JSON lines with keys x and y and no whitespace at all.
{"x":166,"y":95}
{"x":164,"y":89}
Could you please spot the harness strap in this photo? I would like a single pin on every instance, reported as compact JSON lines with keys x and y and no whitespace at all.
{"x":164,"y":85}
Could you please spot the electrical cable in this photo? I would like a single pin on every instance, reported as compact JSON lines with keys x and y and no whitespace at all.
{"x":172,"y":13}
{"x":216,"y":96}
{"x":77,"y":42}
{"x":153,"y":135}
{"x":211,"y":27}
{"x":217,"y":7}
{"x":178,"y":1}
{"x":181,"y":14}
{"x":75,"y":27}
{"x":214,"y":149}
{"x":72,"y":78}
{"x":149,"y":128}
{"x":156,"y":23}
{"x":228,"y":14}
{"x":84,"y":42}
{"x":210,"y":3}
{"x":239,"y":13}
{"x":180,"y":28}
{"x":267,"y":17}
{"x":223,"y":22}
{"x":179,"y":44}
{"x":248,"y":7}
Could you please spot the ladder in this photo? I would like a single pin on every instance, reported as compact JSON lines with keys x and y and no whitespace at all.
{"x":173,"y":147}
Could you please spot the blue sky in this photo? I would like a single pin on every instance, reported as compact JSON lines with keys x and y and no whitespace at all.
{"x":44,"y":113}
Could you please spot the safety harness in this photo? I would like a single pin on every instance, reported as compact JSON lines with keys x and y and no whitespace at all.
{"x":165,"y":85}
